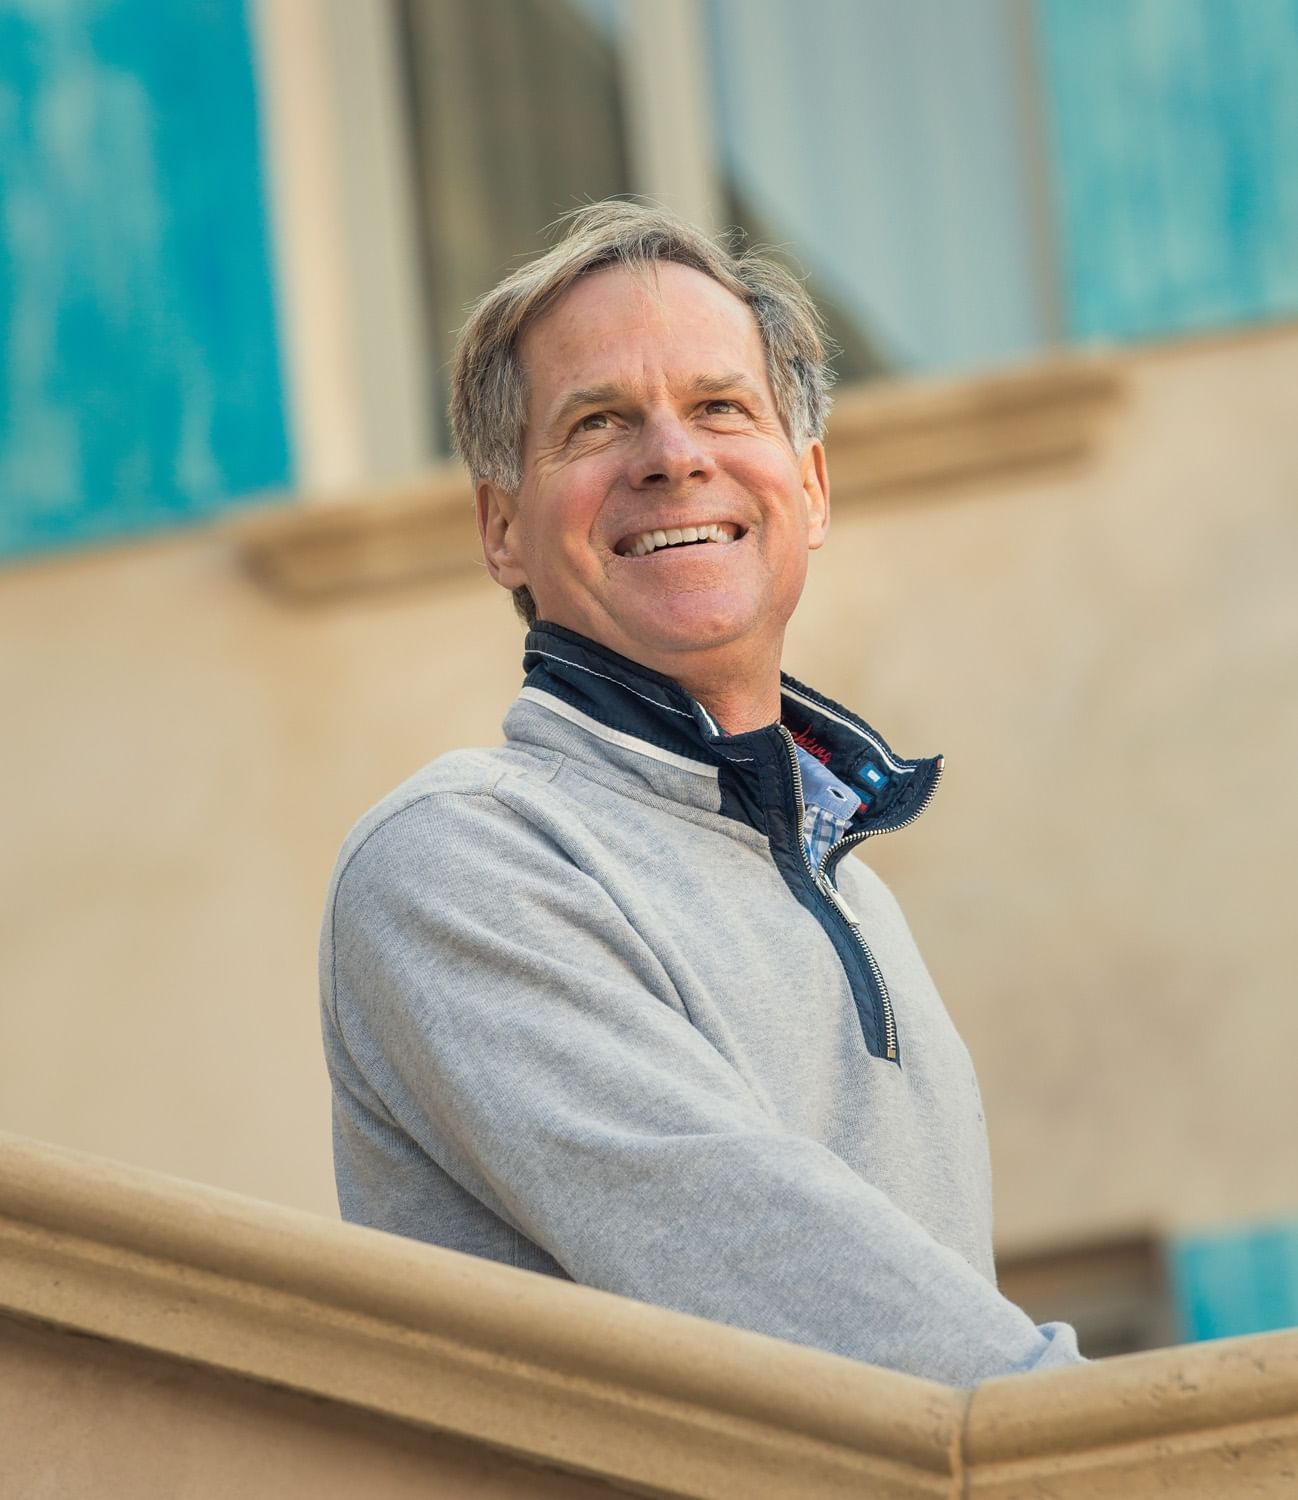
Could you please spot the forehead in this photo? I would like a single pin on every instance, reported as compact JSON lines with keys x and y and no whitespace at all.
{"x":632,"y":325}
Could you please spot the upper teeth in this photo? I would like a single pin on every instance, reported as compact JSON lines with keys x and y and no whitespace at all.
{"x":649,"y":541}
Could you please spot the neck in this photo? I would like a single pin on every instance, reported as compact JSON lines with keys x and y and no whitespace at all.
{"x":738,"y":699}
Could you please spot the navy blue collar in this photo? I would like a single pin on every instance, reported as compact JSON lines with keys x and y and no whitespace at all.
{"x":632,"y":699}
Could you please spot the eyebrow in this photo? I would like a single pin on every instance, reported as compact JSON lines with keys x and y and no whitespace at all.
{"x":594,"y":396}
{"x":590,"y":395}
{"x":732,"y":380}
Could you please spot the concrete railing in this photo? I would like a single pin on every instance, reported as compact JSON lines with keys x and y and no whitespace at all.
{"x":158,"y":1338}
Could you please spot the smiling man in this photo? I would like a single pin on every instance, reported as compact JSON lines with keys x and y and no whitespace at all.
{"x":613,"y":1001}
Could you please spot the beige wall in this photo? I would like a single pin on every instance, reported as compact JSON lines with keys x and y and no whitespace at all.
{"x":1108,"y":659}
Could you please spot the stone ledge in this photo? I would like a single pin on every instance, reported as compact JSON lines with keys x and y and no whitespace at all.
{"x":591,"y":1384}
{"x":1199,"y":1421}
{"x":561,"y":1374}
{"x":884,"y":437}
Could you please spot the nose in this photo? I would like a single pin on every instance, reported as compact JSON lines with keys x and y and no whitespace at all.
{"x":669,"y":455}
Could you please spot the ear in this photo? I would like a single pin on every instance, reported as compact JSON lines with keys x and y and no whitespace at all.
{"x":497,"y":520}
{"x":814,"y":473}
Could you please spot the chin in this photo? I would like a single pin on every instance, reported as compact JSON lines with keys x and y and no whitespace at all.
{"x":680,"y":631}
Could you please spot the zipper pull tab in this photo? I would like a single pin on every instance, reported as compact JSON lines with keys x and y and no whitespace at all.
{"x":836,"y":900}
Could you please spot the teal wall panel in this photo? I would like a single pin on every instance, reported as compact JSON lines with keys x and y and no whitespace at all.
{"x":1174,"y":147}
{"x":139,"y":369}
{"x":1237,"y":1281}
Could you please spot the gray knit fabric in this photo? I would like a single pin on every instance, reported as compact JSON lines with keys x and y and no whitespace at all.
{"x":576,"y":1023}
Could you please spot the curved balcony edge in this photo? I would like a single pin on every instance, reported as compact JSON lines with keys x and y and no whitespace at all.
{"x":558,"y":1373}
{"x":595,"y":1385}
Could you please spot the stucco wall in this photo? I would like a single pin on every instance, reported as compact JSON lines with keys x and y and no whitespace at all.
{"x":1107,"y":658}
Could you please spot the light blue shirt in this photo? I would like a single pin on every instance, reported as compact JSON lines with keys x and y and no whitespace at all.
{"x":829,"y":806}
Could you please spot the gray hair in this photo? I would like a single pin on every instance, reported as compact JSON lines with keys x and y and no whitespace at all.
{"x":488,"y":402}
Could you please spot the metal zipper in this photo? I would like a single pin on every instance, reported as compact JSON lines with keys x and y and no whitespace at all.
{"x":852,"y":839}
{"x":823,"y":883}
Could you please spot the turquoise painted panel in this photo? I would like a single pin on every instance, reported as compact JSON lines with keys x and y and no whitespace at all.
{"x":1236,"y":1281}
{"x":1174,"y":142}
{"x":139,"y":369}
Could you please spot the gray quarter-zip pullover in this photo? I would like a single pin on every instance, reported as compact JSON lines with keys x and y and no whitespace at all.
{"x":587,"y":1012}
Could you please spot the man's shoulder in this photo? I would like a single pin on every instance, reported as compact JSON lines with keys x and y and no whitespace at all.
{"x":449,"y":794}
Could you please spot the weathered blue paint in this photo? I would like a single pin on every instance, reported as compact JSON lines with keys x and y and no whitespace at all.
{"x":139,"y":366}
{"x":1236,"y":1281}
{"x":1174,"y":137}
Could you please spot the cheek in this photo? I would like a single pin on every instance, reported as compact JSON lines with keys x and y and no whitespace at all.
{"x":795,"y":570}
{"x":766,"y":469}
{"x":555,"y":534}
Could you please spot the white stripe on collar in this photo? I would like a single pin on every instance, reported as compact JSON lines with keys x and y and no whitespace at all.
{"x":614,"y":736}
{"x":626,"y":687}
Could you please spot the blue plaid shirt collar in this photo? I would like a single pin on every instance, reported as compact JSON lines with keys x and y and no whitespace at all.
{"x":829,"y":806}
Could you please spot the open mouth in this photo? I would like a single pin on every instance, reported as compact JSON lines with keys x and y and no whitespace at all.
{"x":714,"y":533}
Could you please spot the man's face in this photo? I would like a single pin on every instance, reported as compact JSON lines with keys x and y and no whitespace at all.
{"x":650,"y":412}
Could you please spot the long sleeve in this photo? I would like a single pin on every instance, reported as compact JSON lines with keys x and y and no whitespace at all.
{"x":520,"y":1030}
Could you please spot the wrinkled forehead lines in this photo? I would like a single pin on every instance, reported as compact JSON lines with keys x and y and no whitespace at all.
{"x":649,"y":300}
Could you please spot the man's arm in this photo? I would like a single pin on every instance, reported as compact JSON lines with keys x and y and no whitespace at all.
{"x":512,"y":1028}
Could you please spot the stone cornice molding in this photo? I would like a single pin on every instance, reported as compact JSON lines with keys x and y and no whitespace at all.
{"x":885,"y":437}
{"x":1198,"y":1421}
{"x":576,"y":1378}
{"x":591,"y":1383}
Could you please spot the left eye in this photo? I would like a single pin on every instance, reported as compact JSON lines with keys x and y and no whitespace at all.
{"x":723,"y":408}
